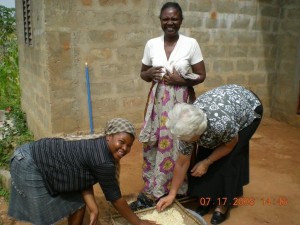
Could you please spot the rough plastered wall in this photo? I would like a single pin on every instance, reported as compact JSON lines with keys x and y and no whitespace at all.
{"x":238,"y":39}
{"x":33,"y":66}
{"x":286,"y":82}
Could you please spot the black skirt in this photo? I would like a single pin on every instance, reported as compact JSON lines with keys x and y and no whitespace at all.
{"x":223,"y":183}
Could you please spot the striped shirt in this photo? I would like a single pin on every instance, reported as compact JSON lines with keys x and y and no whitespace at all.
{"x":69,"y":166}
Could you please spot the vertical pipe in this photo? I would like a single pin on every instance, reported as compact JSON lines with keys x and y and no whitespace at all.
{"x":87,"y":77}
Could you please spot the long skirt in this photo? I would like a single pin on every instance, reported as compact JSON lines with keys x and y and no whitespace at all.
{"x":223,"y":183}
{"x":29,"y":198}
{"x":159,"y":147}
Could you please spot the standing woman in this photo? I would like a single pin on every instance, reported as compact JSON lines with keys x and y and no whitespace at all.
{"x":53,"y":178}
{"x":221,"y":123}
{"x":174,"y":64}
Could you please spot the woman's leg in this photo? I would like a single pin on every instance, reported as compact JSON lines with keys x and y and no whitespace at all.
{"x":77,"y":217}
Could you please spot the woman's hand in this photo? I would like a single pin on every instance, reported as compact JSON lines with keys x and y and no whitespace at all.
{"x":93,"y":217}
{"x":125,"y":211}
{"x":148,"y":222}
{"x":156,"y":73}
{"x":164,"y":202}
{"x":200,"y":168}
{"x":173,"y":78}
{"x":149,"y":73}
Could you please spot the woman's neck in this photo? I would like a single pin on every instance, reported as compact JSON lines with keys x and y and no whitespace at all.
{"x":171,"y":39}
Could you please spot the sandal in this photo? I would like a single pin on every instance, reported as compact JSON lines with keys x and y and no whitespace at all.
{"x":142,"y":202}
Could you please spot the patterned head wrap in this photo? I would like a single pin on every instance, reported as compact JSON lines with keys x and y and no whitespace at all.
{"x":117,"y":125}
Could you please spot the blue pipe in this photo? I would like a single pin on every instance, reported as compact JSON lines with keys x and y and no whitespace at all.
{"x":87,"y":77}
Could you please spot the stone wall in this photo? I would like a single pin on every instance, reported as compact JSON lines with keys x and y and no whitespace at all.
{"x":238,"y":38}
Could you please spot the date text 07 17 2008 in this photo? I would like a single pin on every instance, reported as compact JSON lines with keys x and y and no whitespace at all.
{"x":244,"y":201}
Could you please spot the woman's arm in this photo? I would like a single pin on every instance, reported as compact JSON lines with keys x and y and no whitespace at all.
{"x":125,"y":211}
{"x":224,"y":149}
{"x":176,"y":79}
{"x":199,"y":69}
{"x":89,"y":199}
{"x":149,"y":73}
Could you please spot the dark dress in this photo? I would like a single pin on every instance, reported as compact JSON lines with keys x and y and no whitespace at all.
{"x":231,"y":110}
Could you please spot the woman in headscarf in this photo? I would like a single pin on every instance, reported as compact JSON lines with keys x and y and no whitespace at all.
{"x":53,"y":178}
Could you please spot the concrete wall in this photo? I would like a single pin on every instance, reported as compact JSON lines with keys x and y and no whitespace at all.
{"x":243,"y":42}
{"x":286,"y":82}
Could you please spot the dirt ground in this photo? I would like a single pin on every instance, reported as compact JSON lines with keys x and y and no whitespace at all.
{"x":273,"y":189}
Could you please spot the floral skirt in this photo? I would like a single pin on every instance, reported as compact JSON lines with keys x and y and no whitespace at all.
{"x":159,"y":148}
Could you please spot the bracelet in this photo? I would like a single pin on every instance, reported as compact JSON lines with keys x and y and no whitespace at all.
{"x":209,"y":161}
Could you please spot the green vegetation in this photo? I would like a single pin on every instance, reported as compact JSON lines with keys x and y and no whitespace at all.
{"x":9,"y":71}
{"x":16,"y":132}
{"x":13,"y":134}
{"x":4,"y":193}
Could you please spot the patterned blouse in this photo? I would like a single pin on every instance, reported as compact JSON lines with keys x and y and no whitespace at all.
{"x":229,"y":109}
